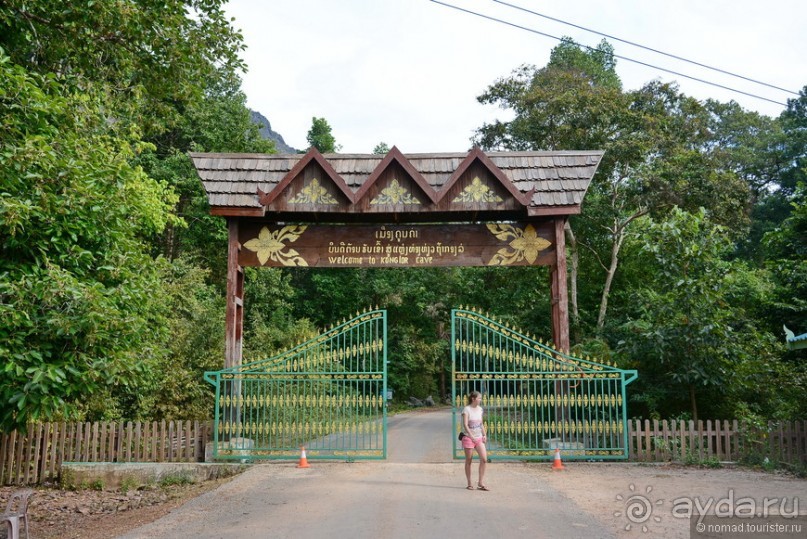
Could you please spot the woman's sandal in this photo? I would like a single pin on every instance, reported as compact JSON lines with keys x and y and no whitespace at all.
{"x":482,"y":487}
{"x":470,"y":487}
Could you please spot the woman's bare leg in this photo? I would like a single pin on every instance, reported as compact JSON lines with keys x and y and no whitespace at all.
{"x":469,"y":455}
{"x":483,"y":462}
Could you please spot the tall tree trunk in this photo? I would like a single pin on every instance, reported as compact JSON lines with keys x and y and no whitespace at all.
{"x":619,"y":237}
{"x":574,"y":263}
{"x":619,"y":232}
{"x":694,"y":403}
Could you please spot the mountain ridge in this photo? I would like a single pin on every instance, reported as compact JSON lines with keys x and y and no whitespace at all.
{"x":267,"y":132}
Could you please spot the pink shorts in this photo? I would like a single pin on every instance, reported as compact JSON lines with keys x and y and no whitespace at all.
{"x":468,"y":442}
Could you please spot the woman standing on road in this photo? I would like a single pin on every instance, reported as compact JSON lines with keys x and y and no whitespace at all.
{"x":475,"y":438}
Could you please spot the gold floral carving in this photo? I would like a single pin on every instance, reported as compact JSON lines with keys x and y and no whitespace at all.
{"x":477,"y":192}
{"x":524,"y":244}
{"x":271,"y":245}
{"x":314,"y":193}
{"x":395,"y":193}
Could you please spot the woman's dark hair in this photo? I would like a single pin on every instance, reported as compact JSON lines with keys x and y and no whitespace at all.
{"x":472,"y":395}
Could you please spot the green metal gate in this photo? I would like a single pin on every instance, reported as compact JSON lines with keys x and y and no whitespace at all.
{"x":326,"y":394}
{"x":536,"y":399}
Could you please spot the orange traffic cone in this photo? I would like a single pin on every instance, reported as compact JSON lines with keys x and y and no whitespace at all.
{"x":557,"y":464}
{"x":303,"y":460}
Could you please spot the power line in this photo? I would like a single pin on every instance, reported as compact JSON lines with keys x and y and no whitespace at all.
{"x":645,"y":48}
{"x":534,"y":31}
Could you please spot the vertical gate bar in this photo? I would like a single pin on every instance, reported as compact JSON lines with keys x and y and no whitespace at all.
{"x":257,"y":411}
{"x":522,"y":404}
{"x":368,"y":419}
{"x":384,"y":368}
{"x":591,"y":414}
{"x":261,"y":384}
{"x":335,"y":396}
{"x":340,"y":392}
{"x":234,"y":415}
{"x":354,"y":389}
{"x":624,"y":416}
{"x":345,"y":394}
{"x":225,"y":413}
{"x":329,"y":403}
{"x":610,"y":431}
{"x":453,"y":339}
{"x":216,"y":418}
{"x":598,"y":414}
{"x":475,"y":331}
{"x":353,"y":366}
{"x":615,"y":418}
{"x":228,"y":411}
{"x":628,"y":439}
{"x":350,"y":413}
{"x":339,"y":427}
{"x":368,"y":390}
{"x":266,"y":443}
{"x":595,"y":435}
{"x":346,"y":390}
{"x":611,"y":393}
{"x":268,"y":409}
{"x":336,"y":389}
{"x":283,"y":426}
{"x":606,"y":414}
{"x":274,"y":413}
{"x":573,"y":438}
{"x":587,"y":445}
{"x":372,"y":390}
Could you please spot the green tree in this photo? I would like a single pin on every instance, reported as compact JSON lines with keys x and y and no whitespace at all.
{"x":81,"y":306}
{"x":382,"y":148}
{"x":149,"y":59}
{"x":113,"y":75}
{"x":320,"y":136}
{"x":787,"y":259}
{"x":575,"y":102}
{"x":794,"y":125}
{"x":655,"y":155}
{"x":689,"y":333}
{"x":219,"y":122}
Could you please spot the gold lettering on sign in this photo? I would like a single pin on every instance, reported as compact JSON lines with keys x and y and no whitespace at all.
{"x":525,"y":244}
{"x":395,"y":193}
{"x":314,"y":193}
{"x":477,"y":192}
{"x":270,"y":245}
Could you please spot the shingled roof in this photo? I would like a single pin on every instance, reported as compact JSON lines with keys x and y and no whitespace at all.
{"x":529,"y":183}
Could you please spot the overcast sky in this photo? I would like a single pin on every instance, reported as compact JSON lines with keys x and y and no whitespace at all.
{"x":407,"y":72}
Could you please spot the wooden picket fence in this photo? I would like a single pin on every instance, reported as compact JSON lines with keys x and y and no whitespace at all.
{"x":36,"y":457}
{"x":725,"y":441}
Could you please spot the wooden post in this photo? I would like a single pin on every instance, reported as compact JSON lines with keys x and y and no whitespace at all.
{"x":560,"y":291}
{"x":235,"y":299}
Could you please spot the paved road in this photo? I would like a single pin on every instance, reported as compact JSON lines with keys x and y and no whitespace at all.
{"x":419,"y":491}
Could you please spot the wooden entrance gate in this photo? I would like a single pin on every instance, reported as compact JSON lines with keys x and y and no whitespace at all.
{"x":327,"y":394}
{"x":536,"y":399}
{"x":413,"y":210}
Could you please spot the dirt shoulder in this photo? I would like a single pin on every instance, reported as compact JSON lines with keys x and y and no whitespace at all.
{"x":631,"y":498}
{"x":94,"y":514}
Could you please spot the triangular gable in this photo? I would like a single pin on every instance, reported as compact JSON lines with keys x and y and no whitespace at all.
{"x":477,"y":154}
{"x":313,"y":156}
{"x":395,"y":156}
